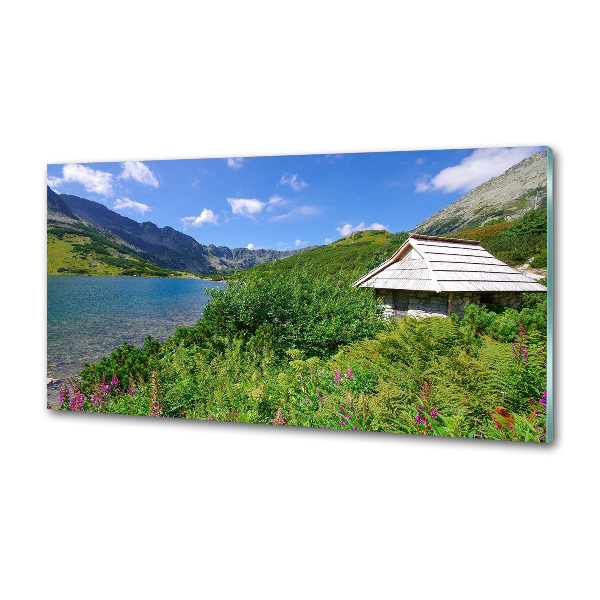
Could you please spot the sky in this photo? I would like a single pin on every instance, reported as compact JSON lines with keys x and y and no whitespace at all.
{"x":286,"y":202}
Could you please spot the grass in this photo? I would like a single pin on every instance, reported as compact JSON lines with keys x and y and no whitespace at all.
{"x":81,"y":251}
{"x":348,"y":258}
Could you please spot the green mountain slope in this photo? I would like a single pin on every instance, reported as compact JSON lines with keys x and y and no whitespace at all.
{"x":348,"y":258}
{"x":514,"y":242}
{"x":77,"y":249}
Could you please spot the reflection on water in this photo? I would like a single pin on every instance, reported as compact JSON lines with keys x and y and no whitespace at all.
{"x":88,"y":317}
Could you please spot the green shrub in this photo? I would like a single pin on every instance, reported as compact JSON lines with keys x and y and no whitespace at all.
{"x":313,"y":314}
{"x":290,"y":348}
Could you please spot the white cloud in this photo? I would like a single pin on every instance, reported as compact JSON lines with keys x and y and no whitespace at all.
{"x":282,"y":244}
{"x":482,"y":164}
{"x":98,"y":182}
{"x":235,"y":163}
{"x":139,"y":172}
{"x":294,"y":181}
{"x":246,"y":207}
{"x":276,"y":202}
{"x":206,"y":216}
{"x":300,"y":243}
{"x":347,"y":229}
{"x":54,"y":182}
{"x":302,"y":212}
{"x":420,"y":160}
{"x":252,"y":247}
{"x":423,"y":184}
{"x":127,"y":204}
{"x":328,"y":240}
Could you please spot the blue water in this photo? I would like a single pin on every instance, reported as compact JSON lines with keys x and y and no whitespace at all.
{"x":88,"y":317}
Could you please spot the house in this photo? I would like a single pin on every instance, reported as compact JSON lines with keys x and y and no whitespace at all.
{"x":437,"y":276}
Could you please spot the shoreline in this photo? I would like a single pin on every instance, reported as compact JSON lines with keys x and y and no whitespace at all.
{"x":135,"y":276}
{"x":122,"y":309}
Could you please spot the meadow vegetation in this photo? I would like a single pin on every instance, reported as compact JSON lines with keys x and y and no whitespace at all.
{"x":79,"y":250}
{"x":514,"y":242}
{"x":289,"y":343}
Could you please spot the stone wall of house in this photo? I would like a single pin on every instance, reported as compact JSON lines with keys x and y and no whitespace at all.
{"x":460,"y":299}
{"x":510,"y":299}
{"x":400,"y":303}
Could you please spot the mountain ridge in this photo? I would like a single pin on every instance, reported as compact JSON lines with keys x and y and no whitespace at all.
{"x":507,"y":196}
{"x":166,"y":247}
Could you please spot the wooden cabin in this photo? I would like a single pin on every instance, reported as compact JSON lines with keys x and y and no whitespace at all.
{"x":431,"y":276}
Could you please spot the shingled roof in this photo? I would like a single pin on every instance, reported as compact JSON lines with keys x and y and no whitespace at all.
{"x":440,"y":264}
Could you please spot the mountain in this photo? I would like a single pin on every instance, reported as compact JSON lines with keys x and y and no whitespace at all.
{"x":518,"y":241}
{"x":348,"y":258}
{"x":58,"y":210}
{"x":507,"y":196}
{"x":76,"y":247}
{"x":166,"y":247}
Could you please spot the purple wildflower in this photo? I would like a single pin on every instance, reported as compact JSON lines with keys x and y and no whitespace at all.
{"x":64,"y":393}
{"x":349,"y":374}
{"x":338,"y":376}
{"x":76,"y":401}
{"x":279,"y":420}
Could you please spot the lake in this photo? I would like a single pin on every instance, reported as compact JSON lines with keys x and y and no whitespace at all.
{"x":88,"y":317}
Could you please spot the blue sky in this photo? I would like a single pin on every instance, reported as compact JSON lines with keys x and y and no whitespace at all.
{"x":286,"y":202}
